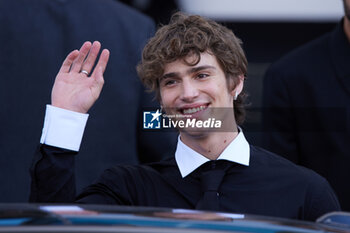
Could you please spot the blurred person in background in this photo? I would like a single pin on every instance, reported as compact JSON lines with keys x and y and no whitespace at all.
{"x":35,"y":36}
{"x":159,"y":10}
{"x":307,"y":107}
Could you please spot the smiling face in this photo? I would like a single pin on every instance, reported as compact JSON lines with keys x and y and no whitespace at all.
{"x":193,"y":34}
{"x":194,"y":90}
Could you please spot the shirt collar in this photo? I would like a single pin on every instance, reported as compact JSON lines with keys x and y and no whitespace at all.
{"x":188,"y":160}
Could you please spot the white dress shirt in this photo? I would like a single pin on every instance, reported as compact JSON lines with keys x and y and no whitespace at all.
{"x":63,"y":128}
{"x":188,"y":160}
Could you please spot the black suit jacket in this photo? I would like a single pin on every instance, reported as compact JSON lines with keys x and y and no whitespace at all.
{"x":307,"y":120}
{"x":35,"y":37}
{"x":270,"y":185}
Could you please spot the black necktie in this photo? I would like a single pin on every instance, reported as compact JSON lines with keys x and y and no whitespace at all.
{"x":211,"y":177}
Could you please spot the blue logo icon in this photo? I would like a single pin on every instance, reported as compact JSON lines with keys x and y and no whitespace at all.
{"x":151,"y":120}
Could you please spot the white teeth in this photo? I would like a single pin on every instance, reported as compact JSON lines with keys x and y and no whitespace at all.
{"x":193,"y":110}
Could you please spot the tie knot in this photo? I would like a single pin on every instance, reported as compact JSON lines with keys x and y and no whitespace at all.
{"x":212,"y":175}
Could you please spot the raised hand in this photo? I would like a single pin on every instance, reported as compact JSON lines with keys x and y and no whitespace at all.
{"x":74,"y":89}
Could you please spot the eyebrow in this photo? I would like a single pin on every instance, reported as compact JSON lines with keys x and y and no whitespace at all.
{"x":189,"y":71}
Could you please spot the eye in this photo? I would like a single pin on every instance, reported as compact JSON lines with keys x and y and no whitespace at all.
{"x":169,"y":82}
{"x":202,"y":75}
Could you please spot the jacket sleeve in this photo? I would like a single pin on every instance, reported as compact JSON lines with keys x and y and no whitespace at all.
{"x":52,"y":175}
{"x":53,"y":180}
{"x":320,"y":200}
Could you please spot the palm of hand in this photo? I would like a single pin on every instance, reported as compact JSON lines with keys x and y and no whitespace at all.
{"x":74,"y":90}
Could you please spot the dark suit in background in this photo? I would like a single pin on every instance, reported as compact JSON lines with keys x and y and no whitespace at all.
{"x":309,"y":122}
{"x":35,"y":37}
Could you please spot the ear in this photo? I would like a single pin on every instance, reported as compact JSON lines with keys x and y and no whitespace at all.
{"x":239,"y":87}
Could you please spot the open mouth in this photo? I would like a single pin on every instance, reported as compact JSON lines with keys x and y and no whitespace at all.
{"x":193,"y":110}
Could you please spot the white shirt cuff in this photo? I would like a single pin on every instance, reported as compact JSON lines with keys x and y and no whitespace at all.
{"x":63,"y":128}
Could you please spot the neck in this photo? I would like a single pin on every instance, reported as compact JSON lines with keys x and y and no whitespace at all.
{"x":210,"y":145}
{"x":347,"y":27}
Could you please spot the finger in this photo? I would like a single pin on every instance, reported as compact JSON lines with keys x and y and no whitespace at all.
{"x":84,"y":50}
{"x":101,"y":66}
{"x":91,"y":58}
{"x":68,"y":61}
{"x":98,"y":80}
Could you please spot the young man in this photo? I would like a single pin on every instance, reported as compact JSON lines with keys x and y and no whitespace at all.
{"x":194,"y":66}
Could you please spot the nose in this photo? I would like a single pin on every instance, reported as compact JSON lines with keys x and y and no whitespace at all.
{"x":189,"y":91}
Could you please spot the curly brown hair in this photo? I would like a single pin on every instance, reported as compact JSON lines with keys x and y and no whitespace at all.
{"x":192,"y":35}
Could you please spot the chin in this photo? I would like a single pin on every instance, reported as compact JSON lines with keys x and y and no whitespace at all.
{"x":195,"y":133}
